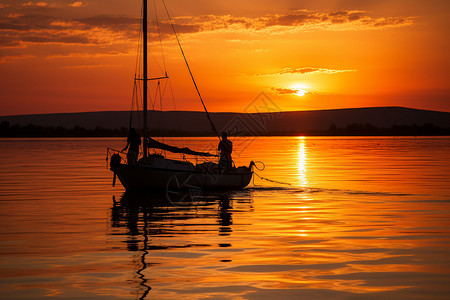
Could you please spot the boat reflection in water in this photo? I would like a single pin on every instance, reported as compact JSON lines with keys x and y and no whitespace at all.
{"x":151,"y":223}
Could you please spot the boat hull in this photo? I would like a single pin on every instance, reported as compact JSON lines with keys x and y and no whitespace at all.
{"x":151,"y":178}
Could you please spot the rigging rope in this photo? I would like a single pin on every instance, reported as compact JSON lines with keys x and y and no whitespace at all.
{"x":263,"y":178}
{"x":267,"y":179}
{"x":132,"y":100}
{"x":189,"y":69}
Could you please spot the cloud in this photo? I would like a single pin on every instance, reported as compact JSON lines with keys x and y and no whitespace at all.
{"x":290,"y":91}
{"x":91,"y":66}
{"x":300,"y":20}
{"x":38,"y":4}
{"x":65,"y":39}
{"x":17,"y":30}
{"x":20,"y":30}
{"x":283,"y":91}
{"x":306,"y":70}
{"x":109,"y":21}
{"x":77,"y":4}
{"x":101,"y":53}
{"x":13,"y":58}
{"x":338,"y":20}
{"x":16,"y":22}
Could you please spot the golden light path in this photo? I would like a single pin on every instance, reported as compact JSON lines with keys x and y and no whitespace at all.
{"x":301,"y":163}
{"x":303,"y":183}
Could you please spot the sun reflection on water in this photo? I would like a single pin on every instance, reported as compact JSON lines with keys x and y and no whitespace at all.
{"x":301,"y":163}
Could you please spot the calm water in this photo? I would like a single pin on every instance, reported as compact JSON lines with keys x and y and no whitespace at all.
{"x":363,"y":218}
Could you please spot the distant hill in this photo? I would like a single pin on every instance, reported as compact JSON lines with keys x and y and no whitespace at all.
{"x":244,"y":124}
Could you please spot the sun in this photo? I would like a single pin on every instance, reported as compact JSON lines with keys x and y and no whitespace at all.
{"x":300,"y":89}
{"x":301,"y":93}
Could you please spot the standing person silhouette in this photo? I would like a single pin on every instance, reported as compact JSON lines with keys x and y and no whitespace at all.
{"x":225,"y":148}
{"x":133,"y":142}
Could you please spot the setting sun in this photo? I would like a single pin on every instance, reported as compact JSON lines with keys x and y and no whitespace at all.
{"x":300,"y":89}
{"x":301,"y":93}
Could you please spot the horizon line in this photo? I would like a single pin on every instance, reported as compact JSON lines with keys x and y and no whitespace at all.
{"x":214,"y":112}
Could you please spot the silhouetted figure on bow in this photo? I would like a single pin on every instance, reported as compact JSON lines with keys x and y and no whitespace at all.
{"x":133,"y":143}
{"x":225,"y":148}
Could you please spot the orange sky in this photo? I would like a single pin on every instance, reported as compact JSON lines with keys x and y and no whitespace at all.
{"x":76,"y":56}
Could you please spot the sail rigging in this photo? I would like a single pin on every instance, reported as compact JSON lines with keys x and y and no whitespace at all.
{"x":155,"y":171}
{"x":145,"y":78}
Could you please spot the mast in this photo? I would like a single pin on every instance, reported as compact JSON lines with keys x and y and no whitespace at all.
{"x":145,"y":75}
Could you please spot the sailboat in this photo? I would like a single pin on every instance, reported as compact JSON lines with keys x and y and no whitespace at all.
{"x":154,"y":170}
